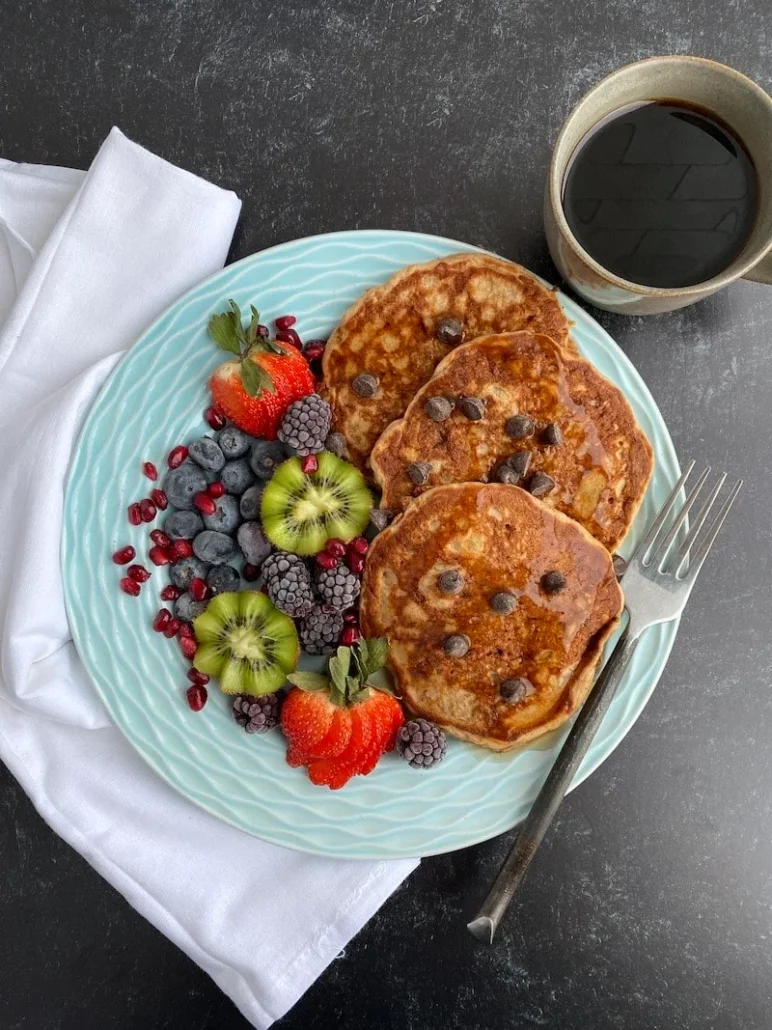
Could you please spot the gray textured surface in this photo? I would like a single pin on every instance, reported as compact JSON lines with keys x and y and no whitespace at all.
{"x":650,"y":905}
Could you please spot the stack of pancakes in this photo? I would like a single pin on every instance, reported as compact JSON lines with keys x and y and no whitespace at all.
{"x":513,"y":469}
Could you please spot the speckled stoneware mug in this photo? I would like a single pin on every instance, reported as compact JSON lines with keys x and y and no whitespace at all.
{"x":737,"y":102}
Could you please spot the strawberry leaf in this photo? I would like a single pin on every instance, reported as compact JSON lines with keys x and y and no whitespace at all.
{"x":223,"y":332}
{"x":255,"y":378}
{"x":253,"y":324}
{"x":357,"y":693}
{"x":309,"y":681}
{"x":339,"y":665}
{"x":376,"y":653}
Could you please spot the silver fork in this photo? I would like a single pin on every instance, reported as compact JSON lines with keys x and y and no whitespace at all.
{"x":657,"y":583}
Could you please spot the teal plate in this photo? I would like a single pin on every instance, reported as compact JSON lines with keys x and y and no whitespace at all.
{"x":154,"y":400}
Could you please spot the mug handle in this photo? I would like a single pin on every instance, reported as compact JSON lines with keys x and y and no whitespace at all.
{"x":762,"y":271}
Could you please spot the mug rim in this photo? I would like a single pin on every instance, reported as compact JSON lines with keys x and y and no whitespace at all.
{"x":556,"y":182}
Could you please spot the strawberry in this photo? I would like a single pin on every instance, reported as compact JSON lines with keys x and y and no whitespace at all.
{"x":255,"y":388}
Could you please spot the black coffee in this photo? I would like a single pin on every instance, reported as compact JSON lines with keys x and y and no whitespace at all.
{"x":661,"y":194}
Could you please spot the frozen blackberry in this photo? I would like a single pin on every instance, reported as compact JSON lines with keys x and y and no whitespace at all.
{"x":338,"y":587}
{"x":288,"y":583}
{"x":306,"y":424}
{"x":232,"y":442}
{"x":320,"y":629}
{"x":421,"y":743}
{"x":256,"y":714}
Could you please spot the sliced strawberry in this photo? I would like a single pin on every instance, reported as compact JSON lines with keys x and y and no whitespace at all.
{"x":305,"y":719}
{"x":336,"y":740}
{"x":336,"y":772}
{"x":261,"y":415}
{"x":381,"y":719}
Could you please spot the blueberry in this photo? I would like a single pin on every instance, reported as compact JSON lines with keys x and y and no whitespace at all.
{"x":187,"y":609}
{"x":253,"y":543}
{"x":249,"y":505}
{"x":185,"y":570}
{"x":237,"y":476}
{"x":214,"y":548}
{"x":226,"y":516}
{"x":265,"y":457}
{"x":232,"y":442}
{"x":183,"y":525}
{"x":206,"y":453}
{"x":182,"y":484}
{"x":222,"y":579}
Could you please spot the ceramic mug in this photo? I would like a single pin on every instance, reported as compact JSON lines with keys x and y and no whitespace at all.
{"x":737,"y":102}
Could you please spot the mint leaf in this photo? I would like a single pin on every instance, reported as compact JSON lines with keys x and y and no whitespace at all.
{"x":309,"y":681}
{"x":255,"y":378}
{"x":223,"y":332}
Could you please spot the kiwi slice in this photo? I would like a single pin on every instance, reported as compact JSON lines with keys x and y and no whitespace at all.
{"x":246,"y":643}
{"x":302,"y":512}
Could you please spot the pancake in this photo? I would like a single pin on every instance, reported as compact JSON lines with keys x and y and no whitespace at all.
{"x":390,"y":334}
{"x":600,"y":468}
{"x":500,"y":539}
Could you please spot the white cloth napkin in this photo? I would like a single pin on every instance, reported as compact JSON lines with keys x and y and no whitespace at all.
{"x":87,"y":260}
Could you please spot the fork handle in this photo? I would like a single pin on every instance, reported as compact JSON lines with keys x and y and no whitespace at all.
{"x":559,"y":779}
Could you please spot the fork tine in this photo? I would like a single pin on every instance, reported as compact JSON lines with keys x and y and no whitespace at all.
{"x":664,"y":511}
{"x":661,"y":552}
{"x":712,"y":533}
{"x":688,"y":541}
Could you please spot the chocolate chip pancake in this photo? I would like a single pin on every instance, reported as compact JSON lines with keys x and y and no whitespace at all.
{"x":516,"y":408}
{"x":391,"y":340}
{"x":496,"y":607}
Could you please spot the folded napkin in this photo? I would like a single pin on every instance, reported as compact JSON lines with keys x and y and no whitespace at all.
{"x":87,"y":261}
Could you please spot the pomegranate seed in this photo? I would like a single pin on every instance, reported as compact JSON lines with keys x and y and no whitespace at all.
{"x":359,"y":545}
{"x":159,"y":556}
{"x":214,"y":417}
{"x":130,"y":586}
{"x":138,"y":573}
{"x":147,"y":510}
{"x":150,"y":470}
{"x":335,"y":547}
{"x":179,"y":549}
{"x":313,"y":352}
{"x":309,"y":464}
{"x":186,"y":630}
{"x":356,"y":562}
{"x":216,"y":489}
{"x":349,"y":636}
{"x":162,"y":617}
{"x":124,"y":555}
{"x":264,"y":331}
{"x":198,"y":589}
{"x":351,"y":616}
{"x":326,"y":561}
{"x":176,"y":457}
{"x":170,"y":593}
{"x":205,"y":504}
{"x":135,"y":514}
{"x":200,"y":678}
{"x":284,"y":321}
{"x":197,"y":696}
{"x":159,"y":537}
{"x":321,"y":344}
{"x":289,"y":336}
{"x":171,"y":628}
{"x":188,"y":646}
{"x":250,"y":572}
{"x":159,"y":499}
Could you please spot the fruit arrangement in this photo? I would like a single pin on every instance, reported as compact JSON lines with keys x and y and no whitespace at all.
{"x":262,"y":549}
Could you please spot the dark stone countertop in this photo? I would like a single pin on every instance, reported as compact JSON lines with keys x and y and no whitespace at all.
{"x":649,"y":904}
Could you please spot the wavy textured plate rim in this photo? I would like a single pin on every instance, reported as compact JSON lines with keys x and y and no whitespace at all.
{"x":667,"y":465}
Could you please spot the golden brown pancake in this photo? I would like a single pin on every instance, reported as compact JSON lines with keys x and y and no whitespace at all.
{"x":501,"y":540}
{"x":390,"y":333}
{"x":600,"y":469}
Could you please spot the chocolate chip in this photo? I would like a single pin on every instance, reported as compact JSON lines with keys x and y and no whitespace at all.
{"x":503,"y":603}
{"x":449,"y":331}
{"x":506,"y":474}
{"x":551,"y":435}
{"x":336,"y":444}
{"x":519,"y":427}
{"x":520,"y":462}
{"x":365,"y":385}
{"x":472,"y":407}
{"x":553,"y":582}
{"x":513,"y":690}
{"x":541,"y":484}
{"x":381,"y":517}
{"x":438,"y":408}
{"x":456,"y":645}
{"x":450,"y":582}
{"x":620,"y":565}
{"x":419,"y":472}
